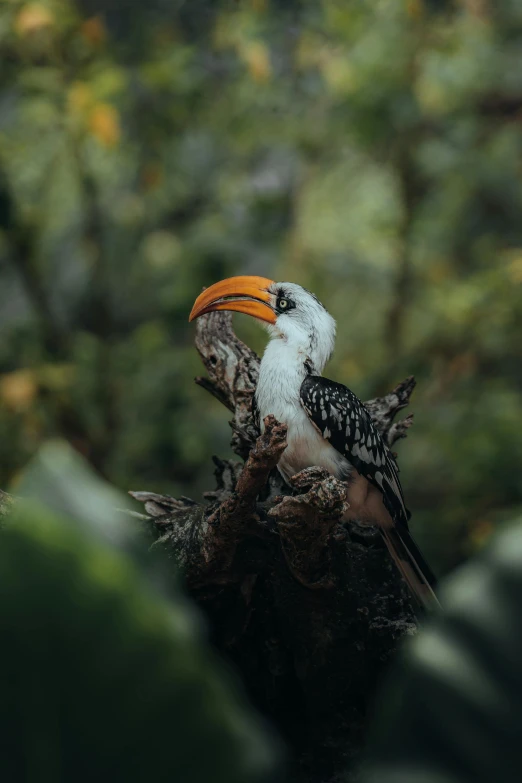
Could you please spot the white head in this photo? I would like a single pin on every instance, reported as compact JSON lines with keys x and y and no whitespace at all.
{"x":302,"y":322}
{"x":288,"y":311}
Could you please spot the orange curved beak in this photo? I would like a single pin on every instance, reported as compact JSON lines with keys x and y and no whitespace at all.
{"x":244,"y":294}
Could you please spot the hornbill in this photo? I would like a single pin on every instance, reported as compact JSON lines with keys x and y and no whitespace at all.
{"x":328,"y":426}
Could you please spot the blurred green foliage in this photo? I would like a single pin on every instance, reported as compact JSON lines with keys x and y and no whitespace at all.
{"x":370,"y":151}
{"x":452,"y":706}
{"x":105,"y":674}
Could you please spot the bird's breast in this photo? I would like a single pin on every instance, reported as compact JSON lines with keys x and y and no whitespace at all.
{"x":306,"y":446}
{"x":281,"y":375}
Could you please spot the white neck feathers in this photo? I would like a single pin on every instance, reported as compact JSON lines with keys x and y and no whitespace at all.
{"x":302,"y":341}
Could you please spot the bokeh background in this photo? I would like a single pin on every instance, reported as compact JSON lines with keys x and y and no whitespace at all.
{"x":369,"y":151}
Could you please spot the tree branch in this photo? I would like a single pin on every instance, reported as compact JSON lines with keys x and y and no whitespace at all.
{"x":309,"y":609}
{"x":233,"y":371}
{"x":263,"y":457}
{"x":306,"y":523}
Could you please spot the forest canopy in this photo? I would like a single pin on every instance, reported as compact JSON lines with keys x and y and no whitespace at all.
{"x":369,"y":151}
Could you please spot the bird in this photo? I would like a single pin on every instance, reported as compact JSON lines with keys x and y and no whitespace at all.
{"x":327,"y":424}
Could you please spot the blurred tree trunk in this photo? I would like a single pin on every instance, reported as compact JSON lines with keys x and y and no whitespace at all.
{"x":309,"y":611}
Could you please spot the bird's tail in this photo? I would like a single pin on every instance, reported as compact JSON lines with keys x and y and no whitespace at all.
{"x":416,"y":572}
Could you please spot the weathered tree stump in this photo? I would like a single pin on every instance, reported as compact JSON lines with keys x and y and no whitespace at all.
{"x":307,"y":609}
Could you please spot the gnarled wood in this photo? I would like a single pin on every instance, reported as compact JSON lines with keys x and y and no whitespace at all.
{"x":307,"y":608}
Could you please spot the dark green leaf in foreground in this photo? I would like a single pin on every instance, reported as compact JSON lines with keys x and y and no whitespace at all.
{"x":101,"y":677}
{"x":453,"y":707}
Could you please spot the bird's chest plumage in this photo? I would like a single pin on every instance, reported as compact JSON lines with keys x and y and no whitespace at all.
{"x":278,"y":393}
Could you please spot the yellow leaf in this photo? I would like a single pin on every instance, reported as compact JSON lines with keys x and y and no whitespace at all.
{"x":349,"y":368}
{"x":109,"y":82}
{"x":515,"y":270}
{"x":310,"y":50}
{"x":480,"y":532}
{"x":80,"y":97}
{"x":462,"y":364}
{"x":18,"y":389}
{"x":56,"y":377}
{"x":151,"y":176}
{"x":339,"y":73}
{"x":414,"y":8}
{"x":432,"y":96}
{"x":104,"y":124}
{"x":161,"y":249}
{"x":93,"y":30}
{"x":478,"y":8}
{"x":33,"y":18}
{"x":255,"y":54}
{"x":439,"y":271}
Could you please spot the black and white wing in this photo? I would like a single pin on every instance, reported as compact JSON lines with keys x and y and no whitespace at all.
{"x":345,"y":422}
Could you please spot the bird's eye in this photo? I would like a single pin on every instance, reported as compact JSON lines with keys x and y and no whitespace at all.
{"x":283,"y":304}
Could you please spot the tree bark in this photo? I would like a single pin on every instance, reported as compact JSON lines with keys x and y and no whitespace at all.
{"x":307,"y":609}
